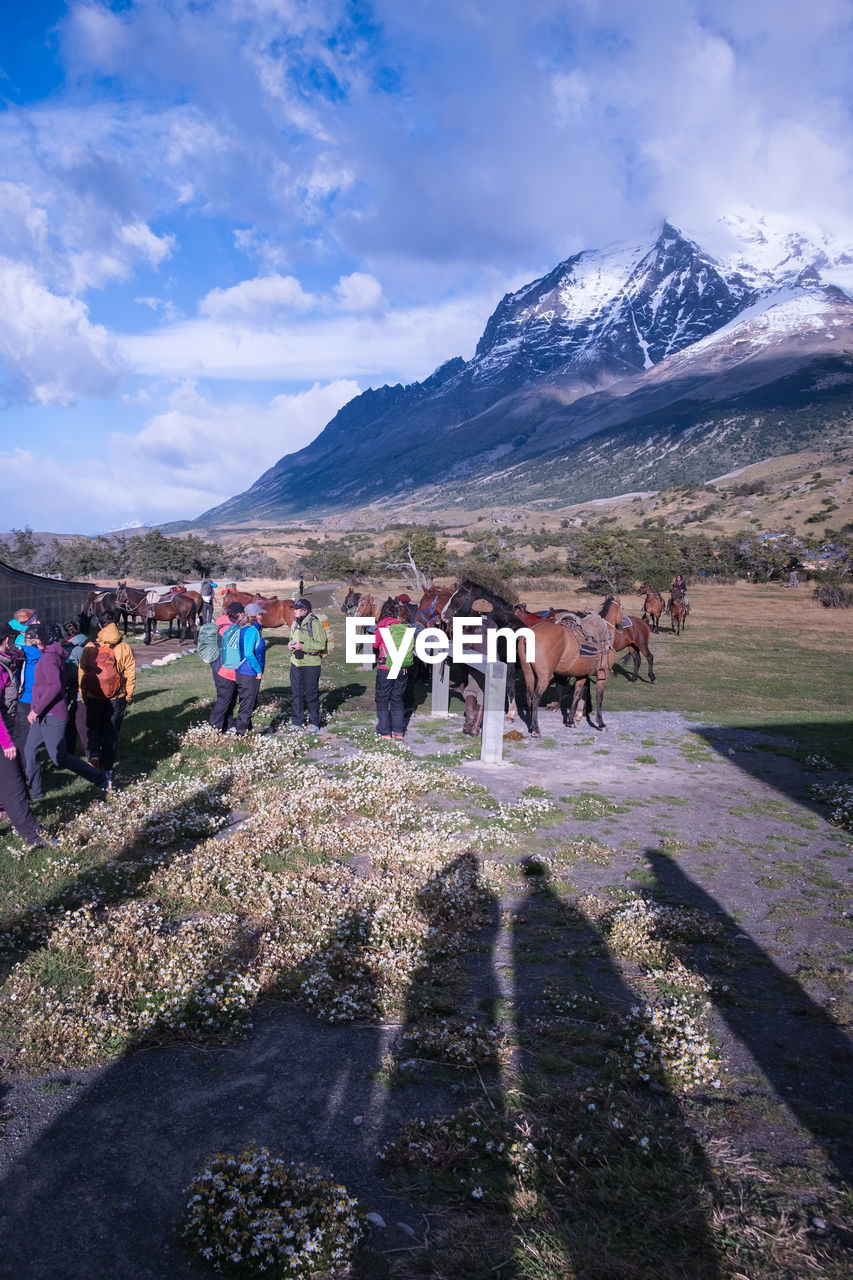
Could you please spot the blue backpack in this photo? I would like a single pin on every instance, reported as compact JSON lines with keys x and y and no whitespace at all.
{"x":232,"y":647}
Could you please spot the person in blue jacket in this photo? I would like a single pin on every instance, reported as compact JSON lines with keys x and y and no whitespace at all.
{"x":250,"y":672}
{"x":32,"y":653}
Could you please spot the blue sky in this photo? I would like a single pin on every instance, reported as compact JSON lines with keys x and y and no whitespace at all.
{"x":221,"y":219}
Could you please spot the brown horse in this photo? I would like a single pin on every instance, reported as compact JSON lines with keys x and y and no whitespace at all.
{"x":653,"y":605}
{"x":633,"y":634}
{"x":180,"y":607}
{"x":276,"y":612}
{"x":560,"y":654}
{"x":678,"y":611}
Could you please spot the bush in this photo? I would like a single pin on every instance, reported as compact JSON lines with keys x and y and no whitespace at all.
{"x":832,"y":595}
{"x":253,"y":1213}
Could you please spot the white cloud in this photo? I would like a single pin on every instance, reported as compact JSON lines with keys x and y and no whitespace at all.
{"x":257,"y":301}
{"x":359,"y":292}
{"x":402,"y":344}
{"x":50,"y":351}
{"x":191,"y":456}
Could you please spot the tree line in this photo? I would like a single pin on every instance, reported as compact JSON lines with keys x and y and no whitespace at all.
{"x":149,"y":556}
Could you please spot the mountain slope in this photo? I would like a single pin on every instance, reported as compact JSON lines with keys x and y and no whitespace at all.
{"x":653,"y":336}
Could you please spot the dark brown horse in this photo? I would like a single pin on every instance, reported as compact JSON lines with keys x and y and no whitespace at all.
{"x":678,"y":611}
{"x":653,"y":605}
{"x":180,"y":607}
{"x":98,"y":603}
{"x":275,"y":612}
{"x":633,"y":634}
{"x":129,"y":601}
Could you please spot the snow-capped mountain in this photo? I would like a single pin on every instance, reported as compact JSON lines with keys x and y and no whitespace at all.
{"x":608,"y":337}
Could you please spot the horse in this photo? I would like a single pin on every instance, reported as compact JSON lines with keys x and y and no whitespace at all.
{"x":561,"y":654}
{"x":653,"y":605}
{"x":274,"y":612}
{"x":460,"y":604}
{"x":129,"y":601}
{"x":678,"y":611}
{"x":98,"y":603}
{"x":350,"y":601}
{"x":634,"y":635}
{"x":180,"y":607}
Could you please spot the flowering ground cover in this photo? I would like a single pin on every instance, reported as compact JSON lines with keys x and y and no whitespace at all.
{"x":605,"y":1055}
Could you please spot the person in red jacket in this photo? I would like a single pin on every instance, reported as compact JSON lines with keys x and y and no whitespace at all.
{"x":48,"y":715}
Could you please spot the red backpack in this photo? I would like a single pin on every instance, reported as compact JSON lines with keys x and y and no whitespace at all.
{"x":102,"y":676}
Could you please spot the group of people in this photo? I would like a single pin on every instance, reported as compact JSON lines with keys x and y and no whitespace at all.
{"x":235,"y":650}
{"x":58,"y":685}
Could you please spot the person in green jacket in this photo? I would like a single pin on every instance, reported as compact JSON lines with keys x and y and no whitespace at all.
{"x":307,"y":643}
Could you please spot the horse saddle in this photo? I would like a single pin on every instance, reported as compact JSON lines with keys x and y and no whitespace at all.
{"x":155,"y":597}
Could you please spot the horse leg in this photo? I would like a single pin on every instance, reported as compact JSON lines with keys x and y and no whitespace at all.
{"x":650,"y":660}
{"x":574,"y":714}
{"x":534,"y":698}
{"x":635,"y":654}
{"x":511,"y":705}
{"x":600,"y":682}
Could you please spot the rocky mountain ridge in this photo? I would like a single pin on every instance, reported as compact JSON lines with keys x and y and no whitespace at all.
{"x":657,"y":332}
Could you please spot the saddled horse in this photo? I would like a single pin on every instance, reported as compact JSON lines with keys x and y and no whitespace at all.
{"x":129,"y":602}
{"x":274,"y":612}
{"x":678,"y":610}
{"x":561,"y":652}
{"x":653,"y":605}
{"x":98,"y":603}
{"x":179,"y":606}
{"x":633,"y":634}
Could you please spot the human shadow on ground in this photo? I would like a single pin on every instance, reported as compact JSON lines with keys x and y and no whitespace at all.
{"x":802,"y":1051}
{"x":776,"y":754}
{"x":99,"y":1190}
{"x":626,"y":1189}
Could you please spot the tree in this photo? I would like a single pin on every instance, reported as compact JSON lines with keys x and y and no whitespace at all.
{"x":607,"y":559}
{"x":418,"y":556}
{"x":24,"y":552}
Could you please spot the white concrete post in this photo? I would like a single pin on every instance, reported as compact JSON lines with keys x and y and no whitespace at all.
{"x":492,"y":742}
{"x":440,"y":705}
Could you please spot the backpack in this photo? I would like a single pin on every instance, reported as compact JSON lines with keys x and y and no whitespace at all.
{"x":232,"y":646}
{"x":102,"y":678}
{"x":322,"y":618}
{"x":207,"y":642}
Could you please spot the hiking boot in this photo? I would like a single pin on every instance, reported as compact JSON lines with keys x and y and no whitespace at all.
{"x":109,"y":777}
{"x":95,"y":762}
{"x":44,"y":840}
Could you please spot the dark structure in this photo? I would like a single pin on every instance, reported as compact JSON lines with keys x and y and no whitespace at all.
{"x":51,"y":598}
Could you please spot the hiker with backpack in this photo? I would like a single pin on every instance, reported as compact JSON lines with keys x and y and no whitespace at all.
{"x":207,"y":588}
{"x":48,"y":715}
{"x":307,"y":645}
{"x":106,"y":679}
{"x":243,"y":653}
{"x":391,"y":690}
{"x":209,"y":649}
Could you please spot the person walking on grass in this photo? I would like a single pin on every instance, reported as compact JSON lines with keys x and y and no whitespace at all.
{"x":107,"y":680}
{"x":75,"y":643}
{"x":48,"y":715}
{"x":32,"y":656}
{"x":307,"y":644}
{"x":14,"y":801}
{"x":11,"y":662}
{"x":224,"y":669}
{"x":391,"y":690}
